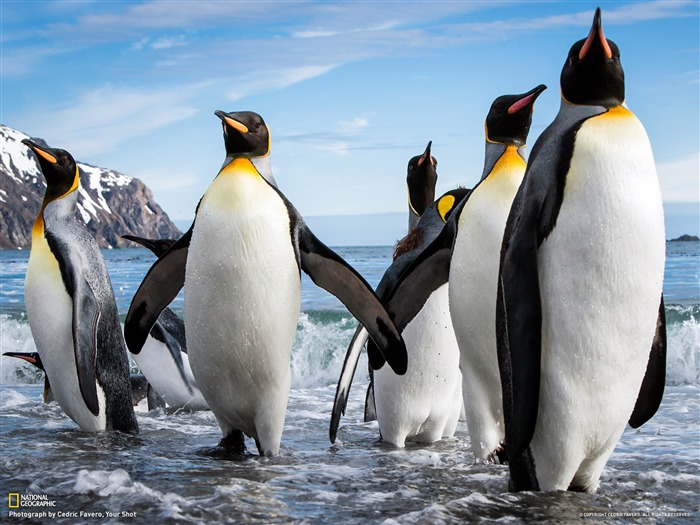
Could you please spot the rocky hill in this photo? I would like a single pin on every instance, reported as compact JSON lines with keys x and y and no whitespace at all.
{"x":111,"y":204}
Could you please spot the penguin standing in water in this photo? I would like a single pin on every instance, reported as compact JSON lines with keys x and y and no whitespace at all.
{"x":474,"y":267}
{"x":163,"y":358}
{"x":470,"y":242}
{"x":421,"y":177}
{"x":240,"y":264}
{"x":424,"y":405}
{"x":580,"y":317}
{"x":71,"y":307}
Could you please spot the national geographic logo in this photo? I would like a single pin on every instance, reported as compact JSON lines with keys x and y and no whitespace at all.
{"x":15,"y":500}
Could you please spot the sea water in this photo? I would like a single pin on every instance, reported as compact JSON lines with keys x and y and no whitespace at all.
{"x":58,"y":474}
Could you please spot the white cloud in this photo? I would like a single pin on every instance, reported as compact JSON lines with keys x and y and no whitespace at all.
{"x":680,"y":179}
{"x":351,"y":127}
{"x":106,"y":117}
{"x":272,"y":80}
{"x":168,"y":42}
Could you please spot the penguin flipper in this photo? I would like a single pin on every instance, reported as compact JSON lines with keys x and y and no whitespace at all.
{"x":345,"y":381}
{"x":652,"y":389}
{"x":428,"y":272}
{"x":329,"y":271}
{"x":519,"y":324}
{"x":86,"y":319}
{"x":160,"y":286}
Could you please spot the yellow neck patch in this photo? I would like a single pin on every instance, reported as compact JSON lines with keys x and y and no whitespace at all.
{"x":617,"y":112}
{"x":240,"y":166}
{"x":510,"y":159}
{"x":445,"y":205}
{"x":38,"y":227}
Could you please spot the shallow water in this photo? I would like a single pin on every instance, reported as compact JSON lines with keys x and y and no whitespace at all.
{"x":158,"y":476}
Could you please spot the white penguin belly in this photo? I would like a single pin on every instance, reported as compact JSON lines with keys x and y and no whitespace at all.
{"x":601,"y":272}
{"x":161,"y":371}
{"x":242,"y":302}
{"x":425,"y":403}
{"x":50,"y":313}
{"x":473,"y":285}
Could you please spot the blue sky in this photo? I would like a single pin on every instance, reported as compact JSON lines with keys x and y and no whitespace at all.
{"x":350,"y":90}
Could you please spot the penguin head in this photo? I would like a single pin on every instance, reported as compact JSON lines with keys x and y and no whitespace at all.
{"x":157,"y":246}
{"x":59,"y":169}
{"x":508,"y":121}
{"x":592,"y":74}
{"x":421,"y":178}
{"x":245,"y":134}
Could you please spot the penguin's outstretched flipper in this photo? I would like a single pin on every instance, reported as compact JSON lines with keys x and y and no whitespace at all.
{"x":161,"y":285}
{"x":329,"y":271}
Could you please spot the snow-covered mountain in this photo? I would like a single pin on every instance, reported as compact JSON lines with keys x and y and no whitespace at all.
{"x":110,"y":204}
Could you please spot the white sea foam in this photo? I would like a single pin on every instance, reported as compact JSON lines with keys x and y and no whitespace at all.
{"x":319,"y":351}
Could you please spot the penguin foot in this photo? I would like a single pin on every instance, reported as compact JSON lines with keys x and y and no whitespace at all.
{"x":231,"y":447}
{"x":222,"y":453}
{"x":499,"y":456}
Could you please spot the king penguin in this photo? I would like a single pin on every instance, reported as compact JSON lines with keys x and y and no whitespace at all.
{"x":424,"y":405}
{"x":421,"y":178}
{"x":473,"y":232}
{"x":71,"y":307}
{"x":240,"y":265}
{"x":474,"y":267}
{"x":163,"y":358}
{"x":580,"y":317}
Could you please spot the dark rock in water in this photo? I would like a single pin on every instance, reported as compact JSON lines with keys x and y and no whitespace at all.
{"x":110,"y":204}
{"x":686,"y":238}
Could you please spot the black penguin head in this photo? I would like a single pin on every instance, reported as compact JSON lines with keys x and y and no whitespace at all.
{"x":508,"y":121}
{"x":421,"y":178}
{"x":245,"y":134}
{"x":157,"y":246}
{"x":592,"y":74}
{"x":59,"y":169}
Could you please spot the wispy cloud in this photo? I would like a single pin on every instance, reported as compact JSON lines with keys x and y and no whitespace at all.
{"x":272,"y":80}
{"x":100,"y":120}
{"x":324,"y":33}
{"x":351,"y":127}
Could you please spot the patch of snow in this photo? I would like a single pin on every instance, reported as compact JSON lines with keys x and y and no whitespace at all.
{"x":14,"y":153}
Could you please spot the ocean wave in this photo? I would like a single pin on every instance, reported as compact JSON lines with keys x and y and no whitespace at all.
{"x":322,"y":338}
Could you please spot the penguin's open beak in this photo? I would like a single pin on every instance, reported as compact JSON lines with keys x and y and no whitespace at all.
{"x":238,"y":126}
{"x":40,"y":151}
{"x":596,"y":32}
{"x":426,"y":155}
{"x":527,"y":100}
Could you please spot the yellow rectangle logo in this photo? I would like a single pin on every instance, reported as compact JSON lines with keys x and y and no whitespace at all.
{"x":13,"y":500}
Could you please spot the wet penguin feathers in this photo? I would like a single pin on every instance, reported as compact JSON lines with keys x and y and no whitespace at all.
{"x":99,"y":354}
{"x":167,"y":276}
